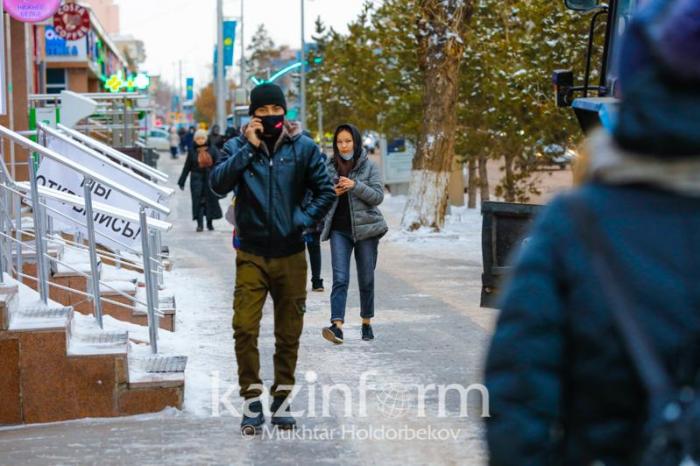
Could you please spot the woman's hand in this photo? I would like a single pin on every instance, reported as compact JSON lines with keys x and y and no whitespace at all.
{"x":344,"y":185}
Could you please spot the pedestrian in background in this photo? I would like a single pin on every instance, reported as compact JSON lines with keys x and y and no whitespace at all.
{"x":200,"y":160}
{"x":181,"y":132}
{"x":188,"y":139}
{"x":216,"y":139}
{"x":271,"y":167}
{"x":231,"y":133}
{"x":312,"y":238}
{"x":353,"y":224}
{"x":174,"y":140}
{"x":569,"y":382}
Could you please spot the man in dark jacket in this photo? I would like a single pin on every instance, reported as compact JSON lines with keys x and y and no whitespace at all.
{"x":271,"y":167}
{"x":562,"y":383}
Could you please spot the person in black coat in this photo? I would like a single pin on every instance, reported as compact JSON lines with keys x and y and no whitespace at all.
{"x":188,"y":139}
{"x":216,"y":138}
{"x":204,"y":202}
{"x":182,"y":132}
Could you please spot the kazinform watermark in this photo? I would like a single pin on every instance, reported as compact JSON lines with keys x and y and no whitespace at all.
{"x":362,"y":433}
{"x":392,"y":400}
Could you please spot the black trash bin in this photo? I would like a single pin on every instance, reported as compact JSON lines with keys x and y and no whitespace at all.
{"x":504,"y":228}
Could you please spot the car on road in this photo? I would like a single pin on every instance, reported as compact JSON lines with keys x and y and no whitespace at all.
{"x":158,"y":139}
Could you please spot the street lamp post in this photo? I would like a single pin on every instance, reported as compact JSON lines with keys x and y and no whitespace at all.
{"x":243,"y":77}
{"x":302,"y":113}
{"x":220,"y":78}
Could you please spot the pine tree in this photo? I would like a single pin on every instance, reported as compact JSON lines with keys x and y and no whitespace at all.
{"x":262,"y":51}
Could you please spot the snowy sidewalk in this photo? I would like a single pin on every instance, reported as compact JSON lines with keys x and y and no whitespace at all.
{"x":429,"y":328}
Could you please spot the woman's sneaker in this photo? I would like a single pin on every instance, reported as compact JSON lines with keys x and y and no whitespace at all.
{"x":367,"y":333}
{"x":333,"y":334}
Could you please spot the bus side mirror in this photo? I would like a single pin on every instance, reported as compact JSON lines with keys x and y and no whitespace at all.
{"x":563,"y":81}
{"x":582,"y":5}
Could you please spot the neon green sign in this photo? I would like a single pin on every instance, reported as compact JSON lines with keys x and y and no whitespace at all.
{"x":118,"y":82}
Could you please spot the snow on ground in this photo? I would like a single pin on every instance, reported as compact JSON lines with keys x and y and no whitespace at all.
{"x":460,"y":237}
{"x":201,"y":313}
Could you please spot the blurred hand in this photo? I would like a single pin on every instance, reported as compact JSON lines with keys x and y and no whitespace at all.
{"x":182,"y":187}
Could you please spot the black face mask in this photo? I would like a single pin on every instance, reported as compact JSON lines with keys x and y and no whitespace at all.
{"x":272,"y":127}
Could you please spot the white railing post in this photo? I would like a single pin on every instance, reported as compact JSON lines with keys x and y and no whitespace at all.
{"x":148,"y":276}
{"x":92,"y":245}
{"x":41,"y":263}
{"x":18,"y":237}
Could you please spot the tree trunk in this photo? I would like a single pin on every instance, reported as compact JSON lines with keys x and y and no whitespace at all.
{"x":442,"y":25}
{"x":473,"y":184}
{"x":456,"y":185}
{"x":509,"y":183}
{"x":484,"y":179}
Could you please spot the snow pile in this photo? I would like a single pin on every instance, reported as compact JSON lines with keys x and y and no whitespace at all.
{"x":460,"y":237}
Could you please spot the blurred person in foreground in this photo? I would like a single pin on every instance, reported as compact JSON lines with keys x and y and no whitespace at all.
{"x":564,"y":381}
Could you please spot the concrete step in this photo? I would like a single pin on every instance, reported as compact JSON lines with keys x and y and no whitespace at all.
{"x":147,"y":370}
{"x":56,"y":366}
{"x":166,"y":305}
{"x":9,"y":298}
{"x":87,"y":339}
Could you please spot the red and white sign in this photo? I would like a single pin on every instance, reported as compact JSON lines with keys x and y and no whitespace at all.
{"x":71,"y":21}
{"x":31,"y":11}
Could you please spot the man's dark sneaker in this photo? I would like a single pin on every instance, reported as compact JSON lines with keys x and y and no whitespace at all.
{"x":200,"y":229}
{"x":317,"y":285}
{"x":367,"y":333}
{"x":281,"y":416}
{"x":333,"y":334}
{"x":253,"y":418}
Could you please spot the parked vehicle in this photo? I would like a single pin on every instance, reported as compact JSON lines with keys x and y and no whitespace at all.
{"x":592,"y":103}
{"x":158,"y":139}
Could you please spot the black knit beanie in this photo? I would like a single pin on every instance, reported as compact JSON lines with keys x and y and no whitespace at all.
{"x":266,"y":94}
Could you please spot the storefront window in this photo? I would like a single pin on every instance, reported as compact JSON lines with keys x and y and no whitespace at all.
{"x":55,"y":80}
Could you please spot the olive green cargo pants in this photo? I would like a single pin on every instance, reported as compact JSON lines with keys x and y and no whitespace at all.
{"x":285,"y":279}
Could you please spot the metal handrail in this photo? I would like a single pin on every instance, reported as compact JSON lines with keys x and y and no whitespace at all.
{"x":73,"y":245}
{"x":34,"y":147}
{"x":167,"y":192}
{"x":78,"y":201}
{"x":21,"y":188}
{"x":39,"y":214}
{"x":89,"y":295}
{"x":121,"y":157}
{"x":102,"y":254}
{"x":76,"y":271}
{"x":92,"y":95}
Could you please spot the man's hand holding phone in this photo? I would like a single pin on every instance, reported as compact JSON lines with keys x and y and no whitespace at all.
{"x":254,"y":131}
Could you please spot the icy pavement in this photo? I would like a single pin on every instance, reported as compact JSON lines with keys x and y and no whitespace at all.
{"x":395,"y":400}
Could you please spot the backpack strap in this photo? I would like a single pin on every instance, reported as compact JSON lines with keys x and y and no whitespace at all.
{"x":654,"y":376}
